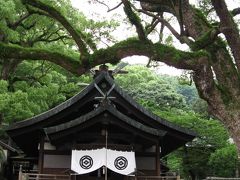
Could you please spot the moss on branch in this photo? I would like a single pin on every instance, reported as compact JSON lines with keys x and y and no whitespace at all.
{"x":205,"y":40}
{"x":135,"y":20}
{"x":159,"y":52}
{"x":9,"y":51}
{"x":113,"y":54}
{"x":201,"y":20}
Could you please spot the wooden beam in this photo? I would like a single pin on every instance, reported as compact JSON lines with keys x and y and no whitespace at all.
{"x":41,"y":154}
{"x":8,"y":147}
{"x":110,"y":146}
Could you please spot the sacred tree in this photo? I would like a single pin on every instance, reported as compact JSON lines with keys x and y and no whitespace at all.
{"x":30,"y":28}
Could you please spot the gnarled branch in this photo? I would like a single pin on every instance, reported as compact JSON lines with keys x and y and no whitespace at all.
{"x":16,"y":52}
{"x":158,"y":52}
{"x":113,"y":54}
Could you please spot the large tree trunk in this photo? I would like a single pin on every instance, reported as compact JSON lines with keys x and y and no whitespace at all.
{"x":217,"y":79}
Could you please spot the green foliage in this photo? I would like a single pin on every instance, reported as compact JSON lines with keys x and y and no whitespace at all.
{"x":180,"y":104}
{"x":36,"y":87}
{"x":224,"y":161}
{"x":4,"y":86}
{"x":194,"y":158}
{"x":150,"y":90}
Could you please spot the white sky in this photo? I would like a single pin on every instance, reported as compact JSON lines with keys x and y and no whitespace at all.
{"x":97,"y":11}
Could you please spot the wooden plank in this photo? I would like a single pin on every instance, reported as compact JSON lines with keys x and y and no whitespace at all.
{"x":110,"y":146}
{"x":158,"y":167}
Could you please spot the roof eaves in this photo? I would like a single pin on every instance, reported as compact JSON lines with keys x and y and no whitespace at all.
{"x":56,"y":109}
{"x":109,"y":109}
{"x":146,"y":112}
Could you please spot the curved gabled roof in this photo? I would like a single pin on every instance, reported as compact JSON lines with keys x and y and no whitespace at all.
{"x":31,"y":128}
{"x":45,"y":115}
{"x":79,"y":96}
{"x":99,"y":110}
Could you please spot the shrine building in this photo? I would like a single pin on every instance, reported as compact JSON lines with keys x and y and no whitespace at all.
{"x":102,"y":119}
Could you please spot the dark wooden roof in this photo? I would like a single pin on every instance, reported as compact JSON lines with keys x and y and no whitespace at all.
{"x":99,"y":110}
{"x":82,"y":107}
{"x":105,"y":116}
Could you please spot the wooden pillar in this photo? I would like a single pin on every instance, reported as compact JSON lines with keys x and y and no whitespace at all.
{"x":158,"y":168}
{"x":41,"y":155}
{"x":20,"y":173}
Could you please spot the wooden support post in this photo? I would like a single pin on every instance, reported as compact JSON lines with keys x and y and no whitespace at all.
{"x":20,"y":173}
{"x":178,"y":177}
{"x":41,"y":155}
{"x":158,"y":168}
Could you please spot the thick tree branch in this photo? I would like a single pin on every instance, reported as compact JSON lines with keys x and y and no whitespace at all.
{"x":158,"y":52}
{"x":16,"y":52}
{"x":113,"y":54}
{"x":134,"y":19}
{"x":229,"y":28}
{"x":59,"y":17}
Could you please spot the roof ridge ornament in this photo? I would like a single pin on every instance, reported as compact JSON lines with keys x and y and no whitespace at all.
{"x":105,"y":98}
{"x":110,"y":72}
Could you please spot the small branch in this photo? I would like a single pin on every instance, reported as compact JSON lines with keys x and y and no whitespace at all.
{"x":115,"y":7}
{"x":161,"y":33}
{"x":152,"y":26}
{"x":54,"y":39}
{"x":109,"y":9}
{"x":173,"y":31}
{"x":46,"y":36}
{"x":28,"y":27}
{"x":100,"y":2}
{"x":51,"y":11}
{"x":18,"y":22}
{"x":235,"y":12}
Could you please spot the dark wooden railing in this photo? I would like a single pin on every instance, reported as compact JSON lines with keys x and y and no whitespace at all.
{"x":157,"y":177}
{"x":221,"y":178}
{"x":33,"y":176}
{"x":36,"y":176}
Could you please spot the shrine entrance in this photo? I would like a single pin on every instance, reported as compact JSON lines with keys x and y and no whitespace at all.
{"x":99,"y":175}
